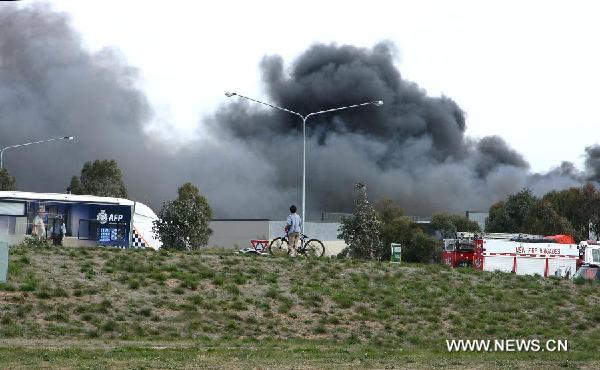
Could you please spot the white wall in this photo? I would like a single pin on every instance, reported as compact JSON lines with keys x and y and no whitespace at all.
{"x":236,"y":234}
{"x":317,"y":230}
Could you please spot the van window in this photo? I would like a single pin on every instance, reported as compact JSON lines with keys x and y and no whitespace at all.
{"x":596,"y":255}
{"x":12,"y":208}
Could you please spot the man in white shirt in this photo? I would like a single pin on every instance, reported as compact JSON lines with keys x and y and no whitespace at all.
{"x":39,"y":229}
{"x":293,"y":228}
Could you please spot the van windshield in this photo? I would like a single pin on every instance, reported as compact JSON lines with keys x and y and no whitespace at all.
{"x":596,"y":255}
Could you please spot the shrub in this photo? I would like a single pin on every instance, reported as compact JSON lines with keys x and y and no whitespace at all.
{"x":184,"y":223}
{"x":233,"y":289}
{"x":196,"y":299}
{"x":44,"y":294}
{"x":219,"y":279}
{"x":320,"y":329}
{"x":28,"y":287}
{"x":133,"y":284}
{"x":104,"y":306}
{"x":343,"y":300}
{"x":361,"y":231}
{"x":109,"y":326}
{"x":145,"y":311}
{"x":189,"y":282}
{"x":35,"y":242}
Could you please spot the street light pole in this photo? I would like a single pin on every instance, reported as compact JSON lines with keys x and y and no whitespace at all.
{"x":304,"y":118}
{"x":26,"y":144}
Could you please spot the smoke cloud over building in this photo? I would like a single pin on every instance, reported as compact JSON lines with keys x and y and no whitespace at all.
{"x":413,"y":149}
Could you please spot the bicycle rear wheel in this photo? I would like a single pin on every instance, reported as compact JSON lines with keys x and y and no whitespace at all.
{"x":279,"y":247}
{"x":314,"y":248}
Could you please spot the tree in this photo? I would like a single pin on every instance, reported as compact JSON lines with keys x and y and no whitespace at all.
{"x":553,"y":214}
{"x":184,"y":223}
{"x":389,"y":211}
{"x":101,"y":177}
{"x":75,"y":186}
{"x":361,"y":231}
{"x":580,"y":206}
{"x":397,"y":228}
{"x":510,"y":216}
{"x":498,"y":220}
{"x":421,"y":249}
{"x":7,"y":182}
{"x":449,"y":224}
{"x":544,"y":220}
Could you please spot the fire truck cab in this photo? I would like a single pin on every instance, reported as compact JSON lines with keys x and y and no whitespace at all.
{"x":458,"y":251}
{"x":589,"y":266}
{"x":589,"y":253}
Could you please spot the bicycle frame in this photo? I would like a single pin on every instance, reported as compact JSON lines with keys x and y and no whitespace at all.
{"x":303,"y":240}
{"x":307,"y":245}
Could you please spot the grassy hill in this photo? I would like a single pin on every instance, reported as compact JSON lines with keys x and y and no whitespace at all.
{"x":95,"y":307}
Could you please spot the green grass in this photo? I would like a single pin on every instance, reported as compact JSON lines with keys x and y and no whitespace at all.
{"x":330,"y":309}
{"x":272,"y":354}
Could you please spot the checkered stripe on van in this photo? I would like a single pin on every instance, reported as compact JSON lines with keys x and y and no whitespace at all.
{"x":136,"y":240}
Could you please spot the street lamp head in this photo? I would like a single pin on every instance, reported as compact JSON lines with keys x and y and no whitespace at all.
{"x":230,"y":94}
{"x":378,"y":103}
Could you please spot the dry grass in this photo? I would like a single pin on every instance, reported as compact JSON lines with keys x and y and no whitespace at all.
{"x":67,"y":294}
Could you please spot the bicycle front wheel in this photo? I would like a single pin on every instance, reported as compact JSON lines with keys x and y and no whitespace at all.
{"x":314,"y":248}
{"x":279,"y":247}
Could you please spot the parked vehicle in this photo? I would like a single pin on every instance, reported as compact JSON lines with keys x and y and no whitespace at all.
{"x":526,"y":255}
{"x":589,"y":266}
{"x":589,"y":253}
{"x":459,"y":251}
{"x":522,"y":254}
{"x":588,"y":272}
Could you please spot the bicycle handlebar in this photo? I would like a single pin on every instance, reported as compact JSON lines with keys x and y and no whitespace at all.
{"x":304,"y":236}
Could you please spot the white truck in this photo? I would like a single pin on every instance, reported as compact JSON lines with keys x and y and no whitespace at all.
{"x":590,"y":261}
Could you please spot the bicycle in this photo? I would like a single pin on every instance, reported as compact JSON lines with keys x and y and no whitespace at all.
{"x":311,"y":248}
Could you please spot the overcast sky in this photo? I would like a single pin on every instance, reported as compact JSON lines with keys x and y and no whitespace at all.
{"x":525,"y":70}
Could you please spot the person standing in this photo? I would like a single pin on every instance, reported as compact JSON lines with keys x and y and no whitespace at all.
{"x":293,"y":228}
{"x":62,"y":231}
{"x":39,"y":228}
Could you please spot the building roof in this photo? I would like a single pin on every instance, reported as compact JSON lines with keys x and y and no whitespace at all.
{"x":140,"y":208}
{"x":58,"y":197}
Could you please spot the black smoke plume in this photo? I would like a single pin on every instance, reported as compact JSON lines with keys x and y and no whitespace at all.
{"x":592,"y":162}
{"x":413,"y":149}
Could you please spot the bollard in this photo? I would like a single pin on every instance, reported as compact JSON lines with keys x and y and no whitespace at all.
{"x":3,"y":262}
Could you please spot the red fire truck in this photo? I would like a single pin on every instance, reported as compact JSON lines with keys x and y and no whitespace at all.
{"x":522,"y":254}
{"x":459,"y":251}
{"x":527,"y":255}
